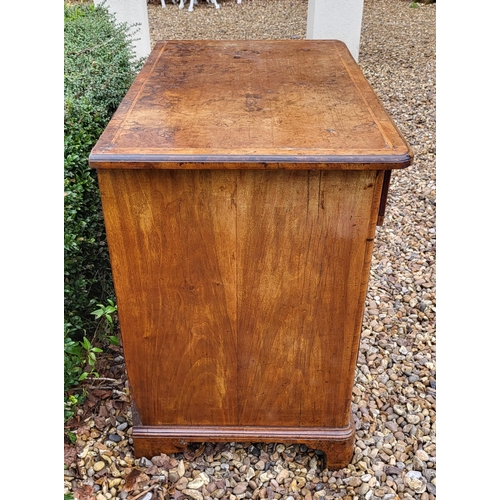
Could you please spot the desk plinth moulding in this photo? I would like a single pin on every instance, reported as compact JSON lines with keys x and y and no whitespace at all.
{"x":241,"y":183}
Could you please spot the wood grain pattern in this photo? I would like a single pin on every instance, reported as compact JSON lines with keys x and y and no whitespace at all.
{"x":213,"y":102}
{"x":173,"y":264}
{"x":240,"y":292}
{"x":301,"y":249}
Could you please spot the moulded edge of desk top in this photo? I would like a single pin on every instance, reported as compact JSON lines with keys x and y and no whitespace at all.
{"x":159,"y":162}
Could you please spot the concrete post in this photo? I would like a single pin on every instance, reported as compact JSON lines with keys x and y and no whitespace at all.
{"x":336,"y":20}
{"x":132,"y":12}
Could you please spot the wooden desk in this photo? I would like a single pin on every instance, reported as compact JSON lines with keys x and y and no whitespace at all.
{"x":241,"y":184}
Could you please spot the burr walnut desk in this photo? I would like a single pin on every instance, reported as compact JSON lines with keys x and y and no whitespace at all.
{"x":242,"y":182}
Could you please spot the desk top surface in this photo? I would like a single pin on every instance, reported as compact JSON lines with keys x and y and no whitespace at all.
{"x":295,"y":104}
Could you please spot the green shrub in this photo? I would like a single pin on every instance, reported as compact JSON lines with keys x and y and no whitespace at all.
{"x":99,"y":68}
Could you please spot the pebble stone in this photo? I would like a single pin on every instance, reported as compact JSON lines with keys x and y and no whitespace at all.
{"x":394,"y":393}
{"x":195,"y":484}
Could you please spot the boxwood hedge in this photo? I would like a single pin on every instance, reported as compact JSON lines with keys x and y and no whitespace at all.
{"x":99,"y":67}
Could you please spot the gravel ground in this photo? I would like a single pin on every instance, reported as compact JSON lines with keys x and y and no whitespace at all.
{"x":395,"y":387}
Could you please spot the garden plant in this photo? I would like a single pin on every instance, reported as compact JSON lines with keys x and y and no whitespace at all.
{"x":99,"y":67}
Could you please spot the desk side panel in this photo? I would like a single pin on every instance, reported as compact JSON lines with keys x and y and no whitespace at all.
{"x":304,"y":249}
{"x":241,"y":293}
{"x":171,"y":237}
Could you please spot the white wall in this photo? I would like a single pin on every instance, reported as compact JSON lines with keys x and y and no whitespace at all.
{"x":132,"y":12}
{"x":336,"y":20}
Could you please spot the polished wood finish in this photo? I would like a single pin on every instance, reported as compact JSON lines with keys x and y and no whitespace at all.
{"x":209,"y":104}
{"x":235,"y":280}
{"x":241,"y":183}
